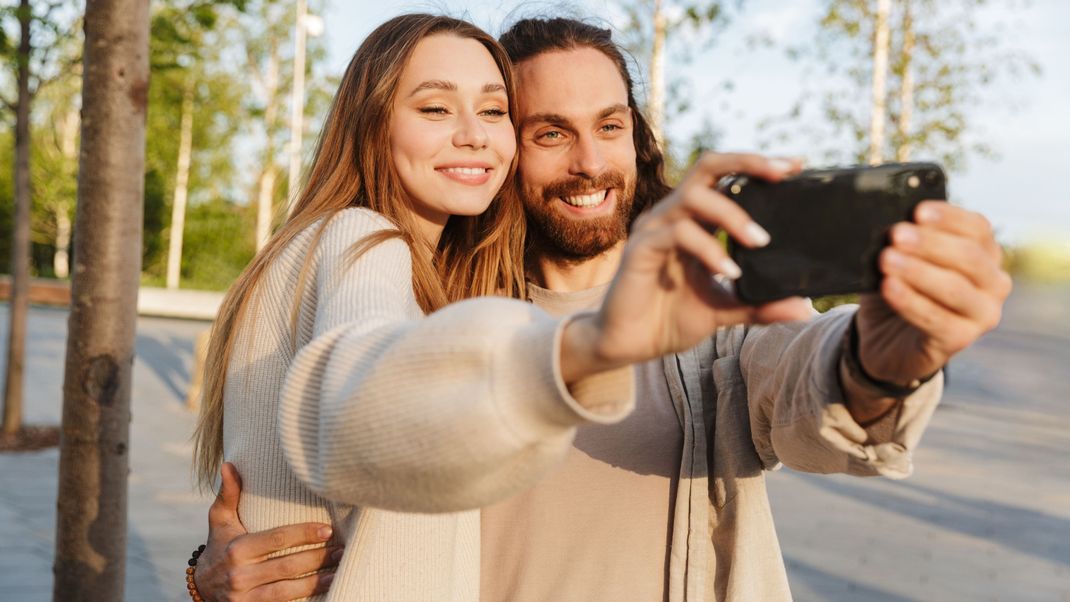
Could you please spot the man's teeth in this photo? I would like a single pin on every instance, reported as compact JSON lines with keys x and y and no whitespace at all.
{"x":587,"y":200}
{"x":468,"y":171}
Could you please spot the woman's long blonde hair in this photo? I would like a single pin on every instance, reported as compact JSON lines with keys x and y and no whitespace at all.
{"x":479,"y":255}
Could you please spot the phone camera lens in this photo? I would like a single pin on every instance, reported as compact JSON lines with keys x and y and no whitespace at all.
{"x":913,"y":181}
{"x":932,"y":177}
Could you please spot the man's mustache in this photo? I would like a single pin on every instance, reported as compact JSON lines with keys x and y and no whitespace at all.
{"x":578,"y":186}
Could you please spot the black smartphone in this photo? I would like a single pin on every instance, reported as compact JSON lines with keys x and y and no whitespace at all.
{"x":827,"y":226}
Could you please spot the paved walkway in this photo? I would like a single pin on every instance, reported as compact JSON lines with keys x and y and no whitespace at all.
{"x":986,"y":516}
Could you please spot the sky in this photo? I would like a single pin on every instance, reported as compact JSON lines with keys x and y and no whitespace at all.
{"x":1023,"y":190}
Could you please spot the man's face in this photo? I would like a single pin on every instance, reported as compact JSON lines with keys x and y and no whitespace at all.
{"x":577,"y":159}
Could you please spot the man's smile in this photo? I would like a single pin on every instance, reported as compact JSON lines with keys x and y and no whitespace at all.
{"x":592,"y":203}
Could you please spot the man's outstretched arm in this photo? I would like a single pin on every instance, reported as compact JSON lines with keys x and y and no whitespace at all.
{"x":235,"y":565}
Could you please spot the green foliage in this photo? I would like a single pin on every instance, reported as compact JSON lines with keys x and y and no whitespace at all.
{"x":1040,"y":262}
{"x":219,"y":243}
{"x":952,"y":63}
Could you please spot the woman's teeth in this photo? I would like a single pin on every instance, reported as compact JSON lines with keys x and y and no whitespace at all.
{"x":587,"y":200}
{"x":468,"y":171}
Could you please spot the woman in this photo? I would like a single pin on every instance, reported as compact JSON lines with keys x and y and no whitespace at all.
{"x":352,"y":384}
{"x":319,"y":350}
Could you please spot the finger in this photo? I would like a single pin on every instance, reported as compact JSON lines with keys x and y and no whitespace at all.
{"x":958,"y":220}
{"x":292,"y":589}
{"x":947,"y":329}
{"x":700,"y":244}
{"x":224,"y":510}
{"x":292,"y":566}
{"x":259,"y":545}
{"x":946,"y":287}
{"x":711,"y":167}
{"x":716,"y":209}
{"x":952,"y":251}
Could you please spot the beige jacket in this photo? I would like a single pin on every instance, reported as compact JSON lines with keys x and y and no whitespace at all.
{"x":774,"y":398}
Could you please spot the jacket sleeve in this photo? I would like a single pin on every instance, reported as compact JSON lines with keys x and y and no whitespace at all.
{"x":798,"y":413}
{"x":387,"y":408}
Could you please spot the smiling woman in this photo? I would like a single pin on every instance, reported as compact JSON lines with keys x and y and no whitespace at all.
{"x":341,"y":382}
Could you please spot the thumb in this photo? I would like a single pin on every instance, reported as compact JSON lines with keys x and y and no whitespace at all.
{"x":224,"y":510}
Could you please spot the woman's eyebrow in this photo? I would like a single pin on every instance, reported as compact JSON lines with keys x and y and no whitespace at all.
{"x":440,"y":84}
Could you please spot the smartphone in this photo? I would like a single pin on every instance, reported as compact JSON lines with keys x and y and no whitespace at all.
{"x":827,"y":226}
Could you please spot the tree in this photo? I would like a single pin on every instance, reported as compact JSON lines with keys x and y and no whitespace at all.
{"x":649,"y":27}
{"x":30,"y":63}
{"x":925,"y":66}
{"x":94,"y":463}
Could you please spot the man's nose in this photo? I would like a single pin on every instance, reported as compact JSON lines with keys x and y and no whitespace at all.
{"x":470,"y":132}
{"x":587,"y":158}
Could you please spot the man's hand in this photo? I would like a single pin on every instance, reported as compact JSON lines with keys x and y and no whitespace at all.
{"x":944,"y":286}
{"x":664,"y":297}
{"x":235,"y":565}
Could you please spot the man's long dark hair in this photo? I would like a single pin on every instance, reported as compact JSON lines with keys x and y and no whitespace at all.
{"x":531,"y":37}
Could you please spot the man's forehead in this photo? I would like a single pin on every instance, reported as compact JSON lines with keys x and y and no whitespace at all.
{"x":578,"y":84}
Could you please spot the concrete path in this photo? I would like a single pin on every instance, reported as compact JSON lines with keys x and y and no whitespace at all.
{"x":985,"y":517}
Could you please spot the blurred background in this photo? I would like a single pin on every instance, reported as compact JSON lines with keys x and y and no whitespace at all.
{"x":239,"y":89}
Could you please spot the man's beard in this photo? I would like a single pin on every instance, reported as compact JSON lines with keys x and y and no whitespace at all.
{"x":557,"y":236}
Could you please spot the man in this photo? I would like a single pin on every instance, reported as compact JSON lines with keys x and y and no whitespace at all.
{"x":671,"y":502}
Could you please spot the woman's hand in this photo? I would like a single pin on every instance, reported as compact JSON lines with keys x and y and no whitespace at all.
{"x":664,"y":298}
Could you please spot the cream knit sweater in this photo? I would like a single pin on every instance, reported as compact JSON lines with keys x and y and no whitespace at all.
{"x":393,"y":426}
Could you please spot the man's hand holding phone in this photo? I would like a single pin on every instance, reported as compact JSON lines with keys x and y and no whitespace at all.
{"x":944,"y":286}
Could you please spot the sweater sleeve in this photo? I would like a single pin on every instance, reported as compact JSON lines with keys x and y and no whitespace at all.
{"x":442,"y":413}
{"x":798,"y":411}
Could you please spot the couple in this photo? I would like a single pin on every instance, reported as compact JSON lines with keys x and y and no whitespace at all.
{"x":605,"y":440}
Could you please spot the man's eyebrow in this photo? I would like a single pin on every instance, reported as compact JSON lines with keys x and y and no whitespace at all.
{"x":617,"y":108}
{"x":439,"y":84}
{"x":562,"y":121}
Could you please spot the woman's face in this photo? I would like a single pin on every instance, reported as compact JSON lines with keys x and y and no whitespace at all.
{"x":450,"y":136}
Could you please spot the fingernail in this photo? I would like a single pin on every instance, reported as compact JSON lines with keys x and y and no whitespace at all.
{"x":325,"y":532}
{"x":730,"y":269}
{"x":895,"y":258}
{"x":756,"y":235}
{"x":906,"y":235}
{"x":336,"y":556}
{"x":326,"y":578}
{"x":928,"y":213}
{"x":781,"y":164}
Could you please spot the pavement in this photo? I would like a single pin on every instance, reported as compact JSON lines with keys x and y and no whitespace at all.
{"x":986,"y":515}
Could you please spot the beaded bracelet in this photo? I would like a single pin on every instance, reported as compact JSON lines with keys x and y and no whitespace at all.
{"x":191,"y":587}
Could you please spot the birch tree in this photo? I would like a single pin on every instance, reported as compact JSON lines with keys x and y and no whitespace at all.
{"x":94,"y":460}
{"x":936,"y":69}
{"x":659,"y":31}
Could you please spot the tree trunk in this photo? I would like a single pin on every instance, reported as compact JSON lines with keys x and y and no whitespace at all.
{"x":266,"y":186}
{"x":61,"y":259}
{"x":178,"y":207}
{"x":297,"y":104}
{"x":656,"y":102}
{"x":906,"y":88}
{"x":69,"y":148}
{"x":20,"y":240}
{"x":880,"y":75}
{"x":94,"y":463}
{"x":265,"y":195}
